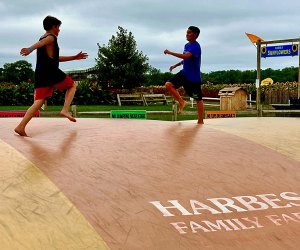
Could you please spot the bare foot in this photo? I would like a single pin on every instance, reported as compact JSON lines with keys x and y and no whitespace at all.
{"x":20,"y":132}
{"x":181,"y":106}
{"x":67,"y":115}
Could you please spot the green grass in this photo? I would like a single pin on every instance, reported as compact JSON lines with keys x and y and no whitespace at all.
{"x":94,"y":108}
{"x":138,"y":107}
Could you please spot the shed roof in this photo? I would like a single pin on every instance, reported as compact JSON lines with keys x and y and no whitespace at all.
{"x":230,"y":90}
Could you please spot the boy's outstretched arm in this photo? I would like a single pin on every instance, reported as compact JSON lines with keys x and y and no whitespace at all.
{"x":81,"y":55}
{"x":179,"y":55}
{"x":39,"y":44}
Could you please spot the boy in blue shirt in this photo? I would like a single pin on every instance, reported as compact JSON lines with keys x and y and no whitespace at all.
{"x":189,"y":77}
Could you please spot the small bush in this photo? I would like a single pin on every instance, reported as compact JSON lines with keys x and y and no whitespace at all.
{"x":23,"y":95}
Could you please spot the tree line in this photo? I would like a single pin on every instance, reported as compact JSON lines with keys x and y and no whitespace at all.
{"x":121,"y":65}
{"x":289,"y":74}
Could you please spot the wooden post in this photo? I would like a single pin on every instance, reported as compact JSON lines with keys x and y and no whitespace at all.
{"x":299,"y":72}
{"x":192,"y":102}
{"x":250,"y":101}
{"x":45,"y":107}
{"x":119,"y":100}
{"x":74,"y":111}
{"x":174,"y":111}
{"x":258,"y":78}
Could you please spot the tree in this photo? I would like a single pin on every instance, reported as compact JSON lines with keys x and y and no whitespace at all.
{"x":154,"y":77}
{"x":1,"y":75}
{"x":120,"y":63}
{"x":248,"y":76}
{"x":17,"y":72}
{"x":289,"y":74}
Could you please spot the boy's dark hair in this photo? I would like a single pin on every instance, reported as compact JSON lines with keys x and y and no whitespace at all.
{"x":195,"y":30}
{"x":50,"y":21}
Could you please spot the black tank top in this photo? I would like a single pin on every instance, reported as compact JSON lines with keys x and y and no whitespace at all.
{"x":47,"y":72}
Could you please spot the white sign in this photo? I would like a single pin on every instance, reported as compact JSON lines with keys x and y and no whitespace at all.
{"x":233,"y":205}
{"x":257,"y":83}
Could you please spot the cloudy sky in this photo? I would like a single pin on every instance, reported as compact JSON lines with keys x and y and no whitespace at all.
{"x":156,"y":25}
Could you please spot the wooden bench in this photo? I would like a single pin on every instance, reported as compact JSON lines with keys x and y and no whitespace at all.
{"x":136,"y":98}
{"x":155,"y":98}
{"x":220,"y":114}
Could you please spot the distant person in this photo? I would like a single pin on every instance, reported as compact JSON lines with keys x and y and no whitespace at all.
{"x":47,"y":73}
{"x":189,"y":77}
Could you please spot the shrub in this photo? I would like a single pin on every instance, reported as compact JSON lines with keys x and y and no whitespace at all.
{"x":11,"y":94}
{"x":23,"y":95}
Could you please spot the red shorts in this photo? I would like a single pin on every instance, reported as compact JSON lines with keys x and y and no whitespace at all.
{"x":43,"y":93}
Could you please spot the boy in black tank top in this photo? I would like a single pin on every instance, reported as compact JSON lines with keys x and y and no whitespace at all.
{"x":47,"y":73}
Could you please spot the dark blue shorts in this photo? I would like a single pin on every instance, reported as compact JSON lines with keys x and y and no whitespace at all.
{"x":193,"y":89}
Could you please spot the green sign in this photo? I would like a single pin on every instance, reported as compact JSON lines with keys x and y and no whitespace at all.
{"x":129,"y":114}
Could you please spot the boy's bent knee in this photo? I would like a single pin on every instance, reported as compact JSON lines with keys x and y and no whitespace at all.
{"x":39,"y":102}
{"x":169,"y":85}
{"x":75,"y":85}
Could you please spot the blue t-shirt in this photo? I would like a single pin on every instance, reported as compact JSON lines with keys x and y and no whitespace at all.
{"x":191,"y":66}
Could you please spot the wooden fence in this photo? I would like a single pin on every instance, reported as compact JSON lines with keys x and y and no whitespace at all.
{"x":278,"y":96}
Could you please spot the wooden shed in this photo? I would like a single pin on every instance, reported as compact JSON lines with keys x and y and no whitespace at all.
{"x":233,"y":98}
